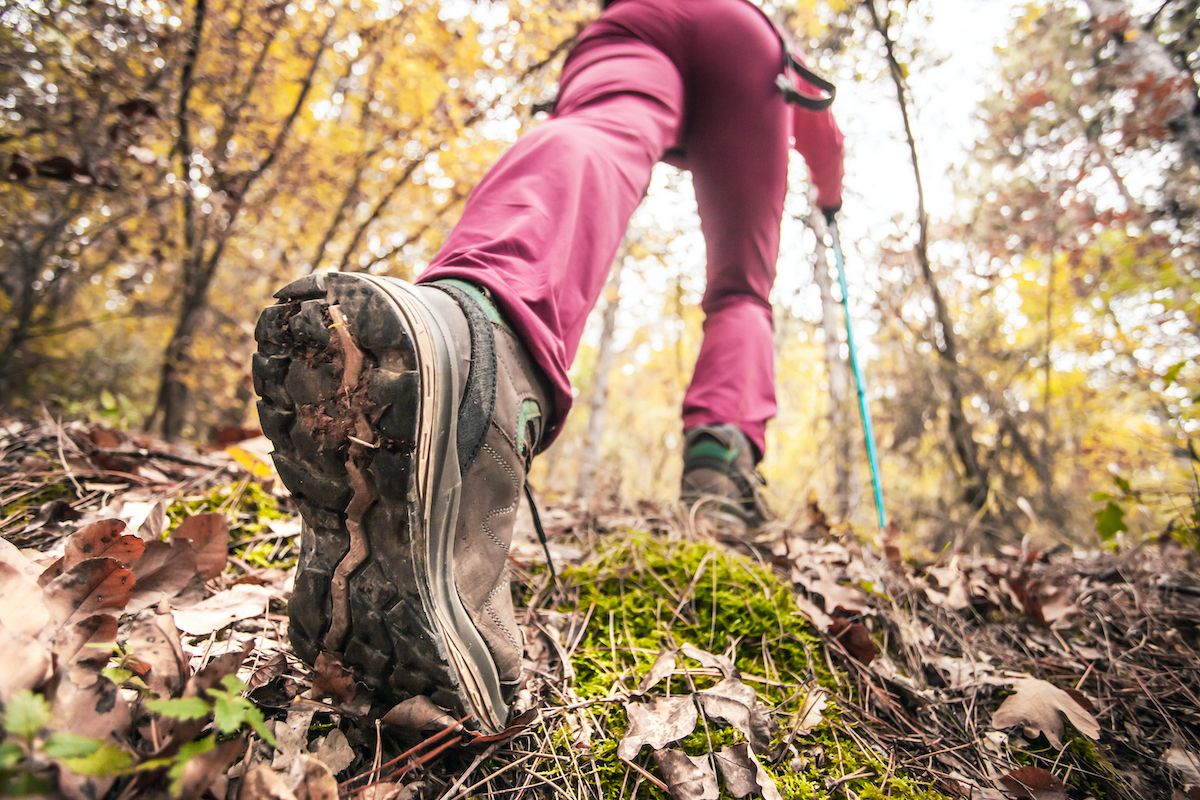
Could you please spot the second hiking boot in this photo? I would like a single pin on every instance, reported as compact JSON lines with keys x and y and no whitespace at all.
{"x":403,"y":419}
{"x":719,"y":473}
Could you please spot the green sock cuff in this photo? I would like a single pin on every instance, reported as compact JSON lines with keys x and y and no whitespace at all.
{"x":482,"y":299}
{"x":712,"y":449}
{"x":530,"y":410}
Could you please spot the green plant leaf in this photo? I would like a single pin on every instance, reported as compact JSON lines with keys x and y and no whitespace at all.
{"x":1110,"y":520}
{"x":108,"y":761}
{"x":10,"y":754}
{"x":255,"y":717}
{"x":64,"y":745}
{"x":124,"y":677}
{"x":26,"y":714}
{"x":231,"y":710}
{"x":1122,"y":484}
{"x":117,"y":675}
{"x":86,"y":756}
{"x":181,"y":708}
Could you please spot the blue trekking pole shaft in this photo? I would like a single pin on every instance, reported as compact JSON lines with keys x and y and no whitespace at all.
{"x":868,"y":428}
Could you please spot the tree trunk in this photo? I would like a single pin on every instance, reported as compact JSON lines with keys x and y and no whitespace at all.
{"x":840,"y":413}
{"x":205,"y":243}
{"x":589,"y":458}
{"x":174,"y":396}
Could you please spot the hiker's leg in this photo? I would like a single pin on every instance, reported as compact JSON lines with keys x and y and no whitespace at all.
{"x":737,"y":142}
{"x":540,"y":230}
{"x":376,"y":418}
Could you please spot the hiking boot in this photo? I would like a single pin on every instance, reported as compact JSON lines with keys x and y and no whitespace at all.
{"x":719,"y":472}
{"x":404,"y":419}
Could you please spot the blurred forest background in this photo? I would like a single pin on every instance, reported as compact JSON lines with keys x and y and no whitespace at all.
{"x":165,"y":165}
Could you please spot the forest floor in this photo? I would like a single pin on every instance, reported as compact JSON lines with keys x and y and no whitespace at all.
{"x":149,"y":657}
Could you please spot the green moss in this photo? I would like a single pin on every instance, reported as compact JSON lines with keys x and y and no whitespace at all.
{"x":22,"y":510}
{"x":715,"y":738}
{"x":645,"y":593}
{"x":1082,"y":764}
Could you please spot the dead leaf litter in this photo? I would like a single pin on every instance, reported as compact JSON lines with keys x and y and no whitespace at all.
{"x":143,"y":653}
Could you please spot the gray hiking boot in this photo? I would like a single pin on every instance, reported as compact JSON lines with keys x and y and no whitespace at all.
{"x":719,"y":472}
{"x":404,"y":419}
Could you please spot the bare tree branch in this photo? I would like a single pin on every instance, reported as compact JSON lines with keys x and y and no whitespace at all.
{"x":946,"y":344}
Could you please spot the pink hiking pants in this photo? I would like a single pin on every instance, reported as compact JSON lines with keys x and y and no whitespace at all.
{"x":542,"y":227}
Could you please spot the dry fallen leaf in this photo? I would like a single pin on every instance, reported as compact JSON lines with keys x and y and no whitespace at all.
{"x":688,"y":777}
{"x":743,"y":773}
{"x":97,"y":710}
{"x":94,"y":586}
{"x":291,"y":736}
{"x":416,"y":715}
{"x":209,"y":677}
{"x":736,"y":704}
{"x":965,"y":672}
{"x":850,"y":598}
{"x":951,"y":579}
{"x":153,"y":640}
{"x":276,"y":665}
{"x":1183,"y":761}
{"x":333,"y":751}
{"x":710,"y":660}
{"x":820,"y":620}
{"x":203,"y":770}
{"x":1033,"y":783}
{"x":162,"y":573}
{"x":1040,"y":706}
{"x":264,"y":783}
{"x":143,"y":511}
{"x":102,"y":539}
{"x":10,"y":555}
{"x":89,"y":639}
{"x":657,"y":723}
{"x":243,"y":601}
{"x":663,"y":666}
{"x":1059,"y":608}
{"x":332,"y":679}
{"x":855,"y":638}
{"x":312,"y":780}
{"x":812,"y":713}
{"x":209,"y":538}
{"x":24,"y":659}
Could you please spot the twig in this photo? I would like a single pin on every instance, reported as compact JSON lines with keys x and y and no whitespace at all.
{"x":442,"y":734}
{"x":62,"y":457}
{"x":467,"y":791}
{"x":853,"y":776}
{"x":647,"y":776}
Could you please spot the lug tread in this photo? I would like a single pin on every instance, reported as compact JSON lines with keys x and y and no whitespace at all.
{"x":391,"y":644}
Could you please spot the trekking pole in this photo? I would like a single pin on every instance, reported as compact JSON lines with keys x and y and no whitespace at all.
{"x":868,"y":429}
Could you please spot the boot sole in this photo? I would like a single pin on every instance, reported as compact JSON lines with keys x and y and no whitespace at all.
{"x":359,"y":399}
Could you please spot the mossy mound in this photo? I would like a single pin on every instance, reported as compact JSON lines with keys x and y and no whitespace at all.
{"x":641,"y":594}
